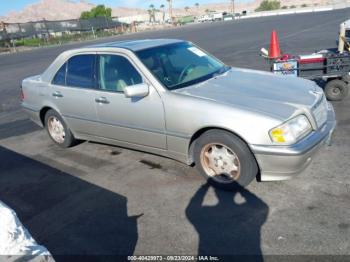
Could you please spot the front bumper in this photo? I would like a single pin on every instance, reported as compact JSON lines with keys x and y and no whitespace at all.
{"x":283,"y":162}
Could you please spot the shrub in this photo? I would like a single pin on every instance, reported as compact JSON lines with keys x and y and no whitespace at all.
{"x":267,"y":5}
{"x":99,"y":10}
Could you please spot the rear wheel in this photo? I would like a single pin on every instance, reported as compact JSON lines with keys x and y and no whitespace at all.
{"x":58,"y":130}
{"x":336,"y":90}
{"x":224,"y":159}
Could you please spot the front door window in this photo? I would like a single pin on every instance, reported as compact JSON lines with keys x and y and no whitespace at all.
{"x":116,"y":72}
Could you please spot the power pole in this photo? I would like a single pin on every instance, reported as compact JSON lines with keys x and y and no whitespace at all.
{"x":233,"y":6}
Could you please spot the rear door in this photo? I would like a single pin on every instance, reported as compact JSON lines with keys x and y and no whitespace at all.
{"x":73,"y":92}
{"x":134,"y":120}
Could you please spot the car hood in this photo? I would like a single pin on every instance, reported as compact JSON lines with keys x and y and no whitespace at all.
{"x":259,"y":91}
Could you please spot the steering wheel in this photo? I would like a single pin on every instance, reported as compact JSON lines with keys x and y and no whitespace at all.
{"x":185,"y":72}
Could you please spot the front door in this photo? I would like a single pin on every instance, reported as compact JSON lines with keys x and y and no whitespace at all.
{"x":134,"y":120}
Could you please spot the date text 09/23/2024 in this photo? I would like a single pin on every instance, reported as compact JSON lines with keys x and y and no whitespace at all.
{"x":173,"y":258}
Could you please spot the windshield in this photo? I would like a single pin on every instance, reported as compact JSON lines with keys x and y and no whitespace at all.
{"x":180,"y":64}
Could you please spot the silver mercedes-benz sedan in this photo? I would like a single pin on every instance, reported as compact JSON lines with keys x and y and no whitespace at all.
{"x":171,"y":98}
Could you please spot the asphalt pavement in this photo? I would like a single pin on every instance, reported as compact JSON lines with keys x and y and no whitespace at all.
{"x":97,"y":199}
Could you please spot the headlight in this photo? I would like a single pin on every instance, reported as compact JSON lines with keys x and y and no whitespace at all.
{"x":292,"y":130}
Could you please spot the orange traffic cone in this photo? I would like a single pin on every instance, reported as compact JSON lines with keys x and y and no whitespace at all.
{"x":275,"y":51}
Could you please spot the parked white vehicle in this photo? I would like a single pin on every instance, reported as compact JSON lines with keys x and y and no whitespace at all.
{"x":218,"y":16}
{"x":228,"y":17}
{"x":205,"y":18}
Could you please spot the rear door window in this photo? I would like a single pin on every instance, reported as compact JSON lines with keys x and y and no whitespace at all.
{"x":81,"y":71}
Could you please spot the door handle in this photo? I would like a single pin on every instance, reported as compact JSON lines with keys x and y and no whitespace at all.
{"x":102,"y":100}
{"x":57,"y":94}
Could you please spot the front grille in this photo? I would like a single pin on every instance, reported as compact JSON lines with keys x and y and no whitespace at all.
{"x":320,"y":111}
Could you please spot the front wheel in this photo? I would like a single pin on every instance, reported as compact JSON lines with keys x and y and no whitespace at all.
{"x":224,"y":159}
{"x":58,"y":129}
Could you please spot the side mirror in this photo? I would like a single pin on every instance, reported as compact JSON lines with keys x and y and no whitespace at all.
{"x":140,"y":90}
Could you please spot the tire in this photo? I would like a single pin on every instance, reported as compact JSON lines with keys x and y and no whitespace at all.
{"x":336,"y":90}
{"x":346,"y":79}
{"x":232,"y":155}
{"x":53,"y":120}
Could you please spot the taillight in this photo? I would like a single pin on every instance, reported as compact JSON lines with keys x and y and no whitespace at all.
{"x":21,"y":94}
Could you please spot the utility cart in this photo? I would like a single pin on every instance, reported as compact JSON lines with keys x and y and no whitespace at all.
{"x":329,"y":66}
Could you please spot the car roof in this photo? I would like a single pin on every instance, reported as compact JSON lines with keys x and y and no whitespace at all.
{"x":137,"y":45}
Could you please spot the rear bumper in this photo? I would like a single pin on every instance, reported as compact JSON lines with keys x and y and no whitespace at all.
{"x":284,"y":162}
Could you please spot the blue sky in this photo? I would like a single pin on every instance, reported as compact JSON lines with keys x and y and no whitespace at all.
{"x":16,"y":5}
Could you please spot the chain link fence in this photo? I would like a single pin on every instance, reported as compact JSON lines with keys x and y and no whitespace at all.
{"x":47,"y":29}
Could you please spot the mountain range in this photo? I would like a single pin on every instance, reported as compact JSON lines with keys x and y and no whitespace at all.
{"x":65,"y":9}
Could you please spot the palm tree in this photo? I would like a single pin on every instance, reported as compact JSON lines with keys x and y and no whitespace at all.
{"x":170,"y":2}
{"x":187,"y":8}
{"x":149,"y":15}
{"x":151,"y":12}
{"x":233,"y":6}
{"x":162,"y":7}
{"x":197,"y":7}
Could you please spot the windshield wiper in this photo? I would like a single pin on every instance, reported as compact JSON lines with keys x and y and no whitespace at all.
{"x":221,"y":71}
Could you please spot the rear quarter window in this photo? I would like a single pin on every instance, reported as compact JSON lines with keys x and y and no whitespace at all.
{"x":60,"y":77}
